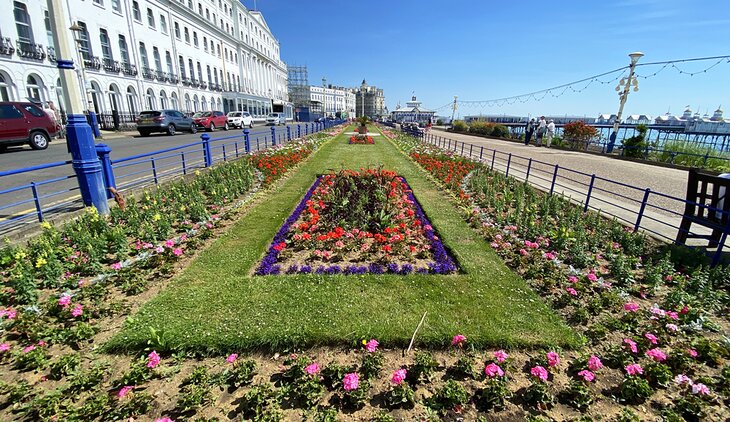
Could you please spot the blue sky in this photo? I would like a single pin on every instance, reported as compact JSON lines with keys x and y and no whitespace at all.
{"x":484,"y":49}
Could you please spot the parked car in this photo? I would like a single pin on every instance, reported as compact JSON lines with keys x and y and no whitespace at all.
{"x":275,"y":119}
{"x":25,"y":123}
{"x":165,"y":121}
{"x":240,"y":119}
{"x":210,"y":120}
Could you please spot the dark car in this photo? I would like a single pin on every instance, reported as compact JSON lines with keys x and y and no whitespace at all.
{"x":164,"y":121}
{"x":210,"y":120}
{"x":25,"y":123}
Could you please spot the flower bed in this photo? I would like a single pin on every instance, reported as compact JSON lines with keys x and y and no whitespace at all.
{"x":361,"y":140}
{"x":356,"y":223}
{"x":655,"y":315}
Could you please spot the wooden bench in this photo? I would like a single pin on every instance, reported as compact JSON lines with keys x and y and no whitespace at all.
{"x":707,"y":206}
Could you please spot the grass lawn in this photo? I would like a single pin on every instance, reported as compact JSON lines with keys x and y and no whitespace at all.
{"x":216,"y":306}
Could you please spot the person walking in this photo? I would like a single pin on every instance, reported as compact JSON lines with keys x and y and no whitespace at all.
{"x":529,"y":129}
{"x":541,"y":129}
{"x":550,"y":133}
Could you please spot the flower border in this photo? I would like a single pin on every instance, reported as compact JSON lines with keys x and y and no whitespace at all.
{"x":443,"y":263}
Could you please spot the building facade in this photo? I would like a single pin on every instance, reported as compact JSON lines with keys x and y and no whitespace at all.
{"x":333,"y":101}
{"x":370,"y":100}
{"x":132,"y":55}
{"x":413,"y":113}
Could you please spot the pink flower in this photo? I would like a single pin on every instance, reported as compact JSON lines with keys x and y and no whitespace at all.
{"x":550,"y":255}
{"x":682,"y":379}
{"x":672,"y":327}
{"x":634,"y":369}
{"x":692,"y":352}
{"x":700,"y":389}
{"x":573,"y":279}
{"x":495,"y":245}
{"x":632,"y":345}
{"x":169,"y":243}
{"x":117,"y":266}
{"x":631,"y":307}
{"x":78,"y":310}
{"x":177,"y":252}
{"x":539,"y":372}
{"x":500,"y":355}
{"x":672,"y":315}
{"x":125,"y":390}
{"x":153,"y":359}
{"x":312,"y":369}
{"x":657,"y":355}
{"x":371,"y":346}
{"x":592,"y":277}
{"x":29,"y":349}
{"x":493,"y":370}
{"x":594,"y":363}
{"x":553,"y":359}
{"x":64,"y":300}
{"x":351,"y":381}
{"x":587,"y":375}
{"x":339,"y":244}
{"x":571,"y":291}
{"x":4,"y":347}
{"x":42,"y":343}
{"x":458,"y":340}
{"x":165,"y":419}
{"x":398,"y":376}
{"x":523,"y":252}
{"x":651,"y":337}
{"x":232,"y":357}
{"x":8,"y":313}
{"x":159,"y":249}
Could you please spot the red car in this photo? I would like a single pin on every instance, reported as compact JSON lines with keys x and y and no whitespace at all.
{"x":25,"y":123}
{"x":210,"y":120}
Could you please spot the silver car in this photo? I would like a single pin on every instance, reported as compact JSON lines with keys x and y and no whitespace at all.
{"x":164,"y":121}
{"x":275,"y":119}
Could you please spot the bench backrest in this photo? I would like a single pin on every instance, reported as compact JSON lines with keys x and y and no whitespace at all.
{"x":705,"y":192}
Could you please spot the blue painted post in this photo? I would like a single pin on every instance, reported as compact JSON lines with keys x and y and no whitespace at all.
{"x":154,"y":169}
{"x":306,"y":129}
{"x":509,"y":161}
{"x":288,"y":133}
{"x":481,"y":153}
{"x":312,"y":128}
{"x":236,"y":145}
{"x":462,"y":149}
{"x":246,"y":141}
{"x":273,"y":135}
{"x":37,"y":200}
{"x":590,"y":189}
{"x":494,"y":155}
{"x":102,"y":151}
{"x":85,"y":162}
{"x":94,"y":123}
{"x":205,"y":139}
{"x":641,"y":210}
{"x":555,"y":176}
{"x":471,"y":147}
{"x":182,"y":159}
{"x":299,"y":130}
{"x":223,"y":147}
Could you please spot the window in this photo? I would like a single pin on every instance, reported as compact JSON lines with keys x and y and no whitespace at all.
{"x":135,"y":12}
{"x":192,"y":69}
{"x":200,"y":73}
{"x":190,"y":4}
{"x":195,"y":38}
{"x":123,"y":52}
{"x":22,"y":24}
{"x":218,"y":47}
{"x":200,"y":9}
{"x":168,"y":60}
{"x":106,"y":48}
{"x":143,"y":55}
{"x":205,"y":44}
{"x":212,"y":50}
{"x":33,"y":88}
{"x":187,"y":36}
{"x":158,"y":60}
{"x":207,"y":14}
{"x":181,"y":63}
{"x":8,"y":111}
{"x":163,"y":24}
{"x":132,"y":100}
{"x":116,"y":6}
{"x":215,"y":74}
{"x":177,"y":30}
{"x":49,"y":33}
{"x":210,"y":80}
{"x":84,"y":44}
{"x":99,"y":2}
{"x":150,"y":18}
{"x":5,"y":93}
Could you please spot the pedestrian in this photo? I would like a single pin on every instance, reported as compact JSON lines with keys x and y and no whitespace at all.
{"x":529,"y":128}
{"x":550,"y":133}
{"x":428,"y":127}
{"x":541,"y":129}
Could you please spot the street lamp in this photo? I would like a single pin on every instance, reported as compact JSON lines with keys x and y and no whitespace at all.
{"x":626,"y":84}
{"x":76,"y":29}
{"x":362,"y":97}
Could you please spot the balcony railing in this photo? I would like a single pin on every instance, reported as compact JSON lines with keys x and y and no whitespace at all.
{"x":92,"y":62}
{"x":172,"y":78}
{"x":29,"y":50}
{"x":51,"y":54}
{"x":6,"y":46}
{"x":129,"y":69}
{"x":161,"y":76}
{"x":111,"y":66}
{"x":203,"y":85}
{"x":187,"y":81}
{"x":148,"y":73}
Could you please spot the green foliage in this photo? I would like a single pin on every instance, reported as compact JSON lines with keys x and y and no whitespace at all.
{"x":401,"y":395}
{"x":538,"y":394}
{"x":691,"y":407}
{"x":634,"y":146}
{"x":464,"y":366}
{"x":690,"y":154}
{"x":489,"y":129}
{"x":423,"y":368}
{"x":627,"y":415}
{"x":194,"y":396}
{"x":138,"y":403}
{"x":65,"y":365}
{"x":658,"y":374}
{"x":459,"y":126}
{"x":383,"y":417}
{"x":493,"y":395}
{"x":261,"y":403}
{"x":333,"y":374}
{"x":635,"y":389}
{"x":448,"y":397}
{"x":579,"y":134}
{"x":356,"y":398}
{"x":240,"y":374}
{"x":34,"y":359}
{"x":579,"y":394}
{"x":85,"y":379}
{"x":371,"y":365}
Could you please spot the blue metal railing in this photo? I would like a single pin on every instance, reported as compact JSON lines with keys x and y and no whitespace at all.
{"x":655,"y":213}
{"x":28,"y":194}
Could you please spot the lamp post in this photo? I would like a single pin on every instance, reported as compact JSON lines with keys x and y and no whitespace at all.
{"x":623,"y":95}
{"x":77,"y":29}
{"x":80,"y":140}
{"x":453,"y":111}
{"x":362,"y":97}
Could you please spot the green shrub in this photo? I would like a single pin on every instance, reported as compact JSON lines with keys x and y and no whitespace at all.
{"x":459,"y":126}
{"x":635,"y":145}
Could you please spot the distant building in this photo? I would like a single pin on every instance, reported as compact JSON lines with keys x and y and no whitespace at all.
{"x":319,"y":101}
{"x":413,"y":112}
{"x":370,"y":100}
{"x":638,"y":119}
{"x":606,"y":119}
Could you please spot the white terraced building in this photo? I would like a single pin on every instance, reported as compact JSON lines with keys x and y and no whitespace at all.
{"x":333,"y":101}
{"x":189,"y":55}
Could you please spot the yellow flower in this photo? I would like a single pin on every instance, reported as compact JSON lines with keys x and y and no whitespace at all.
{"x":45,"y":225}
{"x":20,"y":255}
{"x":197,"y":172}
{"x":156,"y":217}
{"x":182,"y":208}
{"x":40,"y":262}
{"x":364,"y":342}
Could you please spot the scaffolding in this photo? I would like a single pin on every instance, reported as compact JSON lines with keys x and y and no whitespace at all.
{"x":299,"y":86}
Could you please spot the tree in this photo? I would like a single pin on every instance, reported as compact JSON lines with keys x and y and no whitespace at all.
{"x":634,"y":146}
{"x":578,"y":134}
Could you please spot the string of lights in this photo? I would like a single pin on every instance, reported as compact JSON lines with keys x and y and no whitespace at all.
{"x":583,"y":84}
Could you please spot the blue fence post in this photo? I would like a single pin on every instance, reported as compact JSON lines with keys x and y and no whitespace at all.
{"x":86,"y":165}
{"x":205,"y":139}
{"x":288,"y":133}
{"x":102,"y":151}
{"x":37,"y":200}
{"x":273,"y":135}
{"x":641,"y":210}
{"x":494,"y":155}
{"x":306,"y":129}
{"x":462,"y":149}
{"x":555,"y":176}
{"x":590,"y":189}
{"x":246,"y":141}
{"x":182,"y":160}
{"x":529,"y":166}
{"x":299,"y":130}
{"x":481,"y":153}
{"x":312,"y":131}
{"x":94,"y":123}
{"x":471,"y":147}
{"x":509,"y":162}
{"x":154,"y":169}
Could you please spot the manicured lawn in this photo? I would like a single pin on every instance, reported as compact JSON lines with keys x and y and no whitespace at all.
{"x":216,"y":305}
